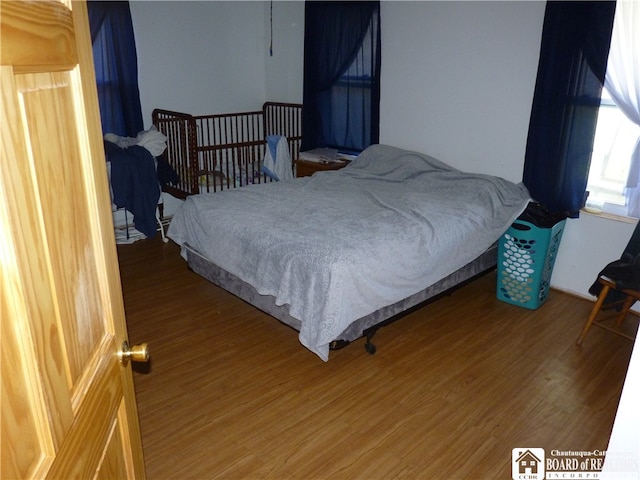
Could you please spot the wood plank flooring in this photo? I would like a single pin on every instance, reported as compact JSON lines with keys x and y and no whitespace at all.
{"x":230,"y":393}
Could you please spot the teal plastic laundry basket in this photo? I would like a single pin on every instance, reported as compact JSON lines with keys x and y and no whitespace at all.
{"x":526,"y":255}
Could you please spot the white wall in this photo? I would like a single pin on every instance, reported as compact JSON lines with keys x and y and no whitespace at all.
{"x":588,"y":244}
{"x":457,"y":83}
{"x":284,"y":68}
{"x":200,"y":57}
{"x":458,"y":80}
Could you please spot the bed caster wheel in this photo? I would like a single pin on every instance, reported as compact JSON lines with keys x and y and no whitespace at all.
{"x":370,"y":348}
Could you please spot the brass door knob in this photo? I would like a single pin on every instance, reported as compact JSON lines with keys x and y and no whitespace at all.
{"x":135,"y":353}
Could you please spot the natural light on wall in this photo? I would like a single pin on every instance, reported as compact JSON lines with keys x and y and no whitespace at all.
{"x":614,"y":175}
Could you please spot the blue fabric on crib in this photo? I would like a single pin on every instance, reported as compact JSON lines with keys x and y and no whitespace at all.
{"x":269,"y":163}
{"x":277,"y":160}
{"x":272,"y":141}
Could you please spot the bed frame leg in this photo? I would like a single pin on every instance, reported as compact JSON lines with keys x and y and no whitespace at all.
{"x":338,"y":344}
{"x":368,"y":346}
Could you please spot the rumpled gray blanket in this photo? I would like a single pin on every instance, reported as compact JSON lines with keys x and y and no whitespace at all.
{"x":340,"y":245}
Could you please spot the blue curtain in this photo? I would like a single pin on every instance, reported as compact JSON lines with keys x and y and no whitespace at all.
{"x":571,"y":70}
{"x":116,"y":66}
{"x":341,"y":97}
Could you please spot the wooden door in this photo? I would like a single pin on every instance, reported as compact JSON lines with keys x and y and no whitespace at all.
{"x":68,"y":406}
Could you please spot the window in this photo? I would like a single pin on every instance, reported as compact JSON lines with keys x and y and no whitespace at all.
{"x":348,"y":101}
{"x":614,"y":173}
{"x":341,"y":98}
{"x":613,"y":145}
{"x":576,"y":39}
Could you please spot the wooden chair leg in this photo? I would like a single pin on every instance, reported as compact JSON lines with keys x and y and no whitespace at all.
{"x":625,"y":309}
{"x":594,"y":313}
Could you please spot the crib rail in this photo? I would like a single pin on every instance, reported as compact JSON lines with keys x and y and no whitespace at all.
{"x":284,"y":119}
{"x":181,"y":153}
{"x":221,"y":151}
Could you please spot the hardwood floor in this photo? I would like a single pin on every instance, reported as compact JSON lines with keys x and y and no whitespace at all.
{"x":455,"y":386}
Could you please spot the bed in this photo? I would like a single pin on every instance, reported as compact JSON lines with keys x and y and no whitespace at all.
{"x":213,"y":153}
{"x":337,"y":253}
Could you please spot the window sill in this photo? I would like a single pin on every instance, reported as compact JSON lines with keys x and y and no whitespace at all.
{"x":610,"y":216}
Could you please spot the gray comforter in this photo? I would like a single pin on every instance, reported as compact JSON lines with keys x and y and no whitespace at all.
{"x":340,"y":245}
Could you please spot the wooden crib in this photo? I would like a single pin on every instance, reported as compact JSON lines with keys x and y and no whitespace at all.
{"x":216,"y":152}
